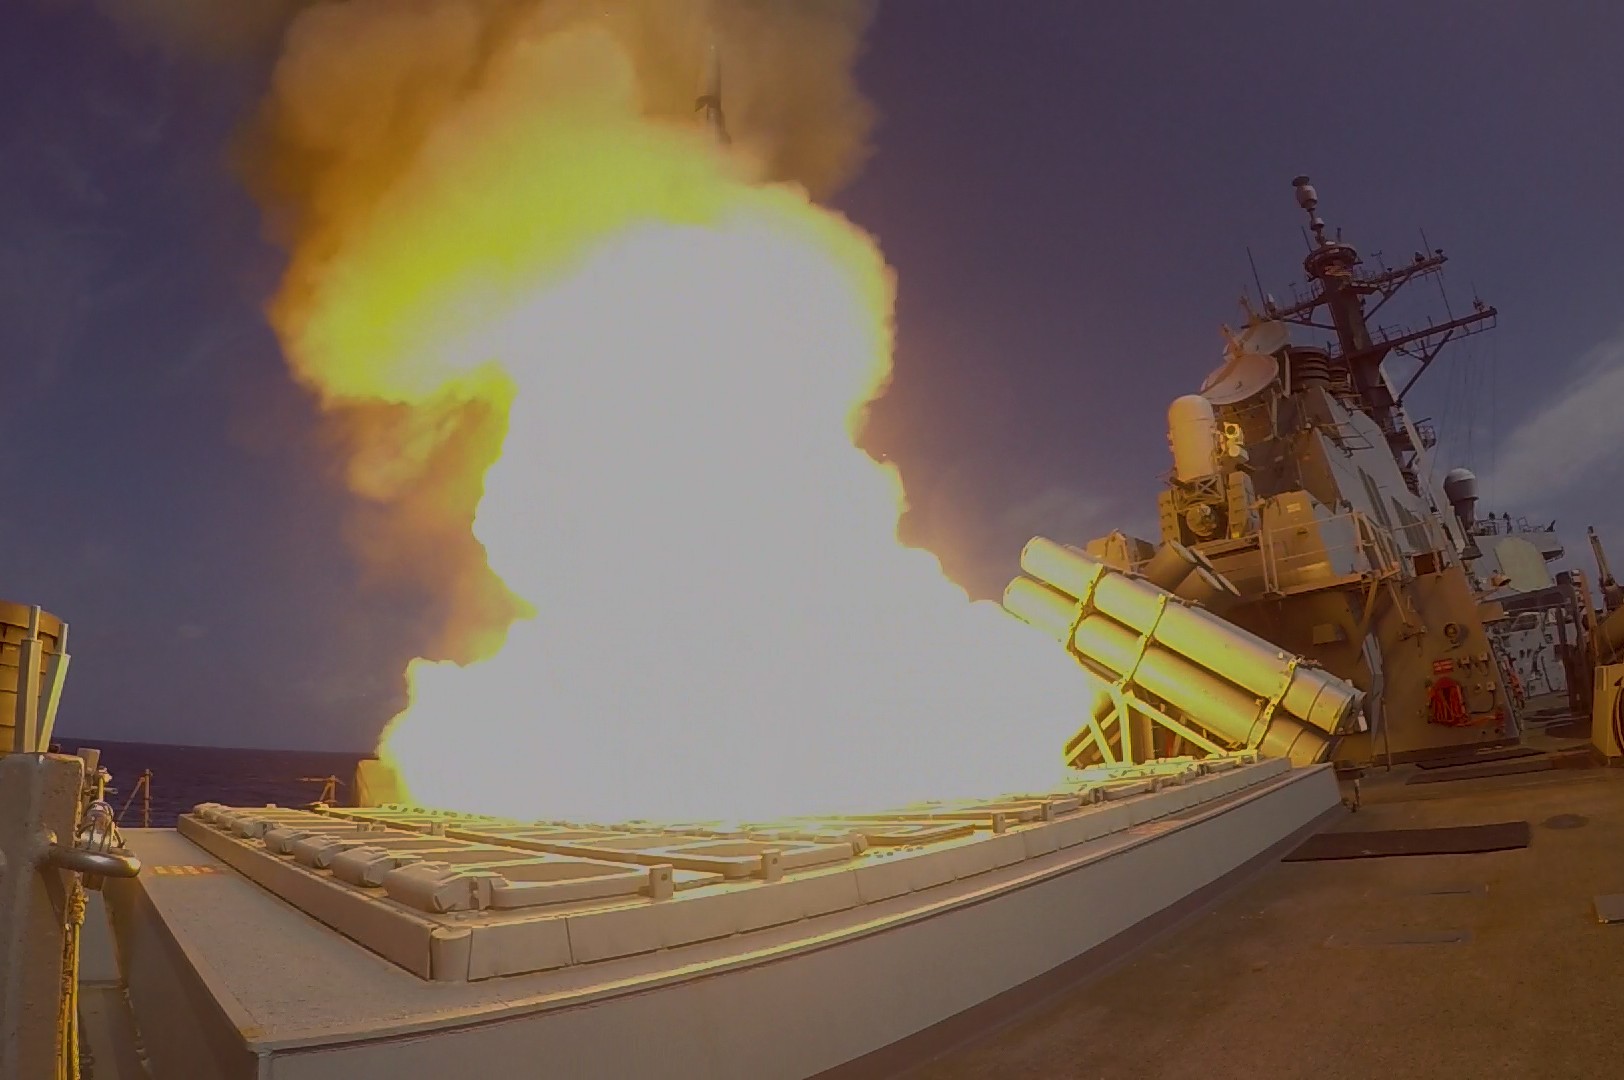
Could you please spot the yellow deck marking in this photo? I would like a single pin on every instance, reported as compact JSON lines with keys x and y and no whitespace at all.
{"x":182,"y":871}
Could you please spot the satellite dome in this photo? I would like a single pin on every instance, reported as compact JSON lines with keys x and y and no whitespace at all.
{"x":1460,"y":484}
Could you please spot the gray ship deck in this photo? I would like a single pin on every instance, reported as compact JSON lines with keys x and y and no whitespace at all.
{"x":229,"y":980}
{"x":1429,"y":966}
{"x":1435,"y":966}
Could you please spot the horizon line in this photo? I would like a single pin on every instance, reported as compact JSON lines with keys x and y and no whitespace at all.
{"x":90,"y":740}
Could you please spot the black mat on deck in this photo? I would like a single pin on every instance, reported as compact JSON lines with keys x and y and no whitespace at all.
{"x":1539,"y":763}
{"x":1456,"y":840}
{"x":1505,"y":753}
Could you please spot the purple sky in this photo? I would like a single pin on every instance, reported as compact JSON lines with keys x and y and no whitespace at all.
{"x":1067,"y":194}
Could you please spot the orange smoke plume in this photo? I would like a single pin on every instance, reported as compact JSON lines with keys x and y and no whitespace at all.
{"x":599,"y":379}
{"x":378,"y":106}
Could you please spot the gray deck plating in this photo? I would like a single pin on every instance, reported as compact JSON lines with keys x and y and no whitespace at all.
{"x":1488,"y":965}
{"x":768,"y":1003}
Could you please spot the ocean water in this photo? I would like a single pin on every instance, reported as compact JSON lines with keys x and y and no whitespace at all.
{"x":183,"y":776}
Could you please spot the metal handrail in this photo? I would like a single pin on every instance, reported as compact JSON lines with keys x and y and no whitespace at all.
{"x":143,"y":787}
{"x":329,"y":788}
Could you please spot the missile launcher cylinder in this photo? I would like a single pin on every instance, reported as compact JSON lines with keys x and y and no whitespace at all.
{"x":1215,"y":704}
{"x":1219,"y":676}
{"x":1208,"y":588}
{"x":1172,"y":563}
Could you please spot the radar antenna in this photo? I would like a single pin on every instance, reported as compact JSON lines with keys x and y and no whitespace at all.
{"x":1339,"y":286}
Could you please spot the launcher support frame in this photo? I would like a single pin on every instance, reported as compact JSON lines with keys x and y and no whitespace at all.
{"x":1124,"y":703}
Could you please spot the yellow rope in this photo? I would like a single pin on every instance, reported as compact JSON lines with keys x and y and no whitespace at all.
{"x":67,"y":1044}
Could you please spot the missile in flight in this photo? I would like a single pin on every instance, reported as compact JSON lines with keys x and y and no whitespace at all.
{"x":710,"y":96}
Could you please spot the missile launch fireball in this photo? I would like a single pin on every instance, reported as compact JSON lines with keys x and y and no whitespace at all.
{"x":710,"y":100}
{"x":666,"y":354}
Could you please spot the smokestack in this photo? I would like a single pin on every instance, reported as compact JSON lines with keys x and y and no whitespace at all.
{"x":710,"y":96}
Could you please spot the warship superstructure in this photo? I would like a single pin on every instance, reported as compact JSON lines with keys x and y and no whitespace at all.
{"x":1300,"y":477}
{"x":1323,"y":607}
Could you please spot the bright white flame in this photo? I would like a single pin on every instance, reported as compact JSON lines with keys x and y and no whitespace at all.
{"x":727,"y":625}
